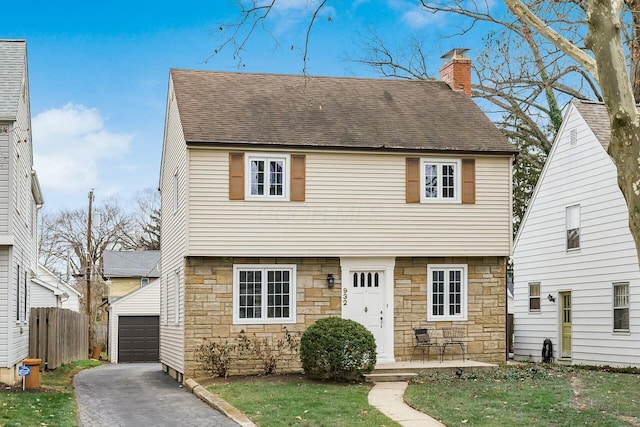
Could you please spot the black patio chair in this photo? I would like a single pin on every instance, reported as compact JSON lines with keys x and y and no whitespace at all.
{"x":452,"y":336}
{"x":423,"y":340}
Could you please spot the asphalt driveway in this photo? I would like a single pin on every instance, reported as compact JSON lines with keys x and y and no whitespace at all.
{"x":139,"y":394}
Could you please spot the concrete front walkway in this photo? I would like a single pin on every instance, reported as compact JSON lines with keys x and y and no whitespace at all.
{"x":388,"y":398}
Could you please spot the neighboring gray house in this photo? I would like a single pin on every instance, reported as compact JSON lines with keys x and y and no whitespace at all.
{"x":576,"y":271}
{"x":20,"y":199}
{"x":126,"y":271}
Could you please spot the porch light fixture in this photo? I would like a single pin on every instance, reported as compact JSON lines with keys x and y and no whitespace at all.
{"x":551,"y":298}
{"x":331,"y":281}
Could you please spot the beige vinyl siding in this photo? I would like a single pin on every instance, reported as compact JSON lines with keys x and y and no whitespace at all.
{"x":143,"y":302}
{"x":5,"y":309}
{"x":173,"y":237}
{"x":4,"y":182}
{"x":355,"y":206}
{"x":584,"y":175}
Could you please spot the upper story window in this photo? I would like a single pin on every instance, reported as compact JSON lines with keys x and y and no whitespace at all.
{"x":534,"y":296}
{"x":144,"y":281}
{"x":621,"y":307}
{"x":573,"y":227}
{"x":440,"y":180}
{"x":447,"y":292}
{"x":267,"y":177}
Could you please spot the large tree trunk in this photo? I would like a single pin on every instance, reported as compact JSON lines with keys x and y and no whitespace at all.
{"x":604,"y":40}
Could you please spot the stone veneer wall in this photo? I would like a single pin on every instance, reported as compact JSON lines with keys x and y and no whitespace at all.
{"x":485,"y":338}
{"x":209,"y":304}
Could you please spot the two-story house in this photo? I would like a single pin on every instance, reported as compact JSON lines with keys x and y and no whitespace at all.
{"x":576,"y":275}
{"x":286,"y":199}
{"x":20,"y":199}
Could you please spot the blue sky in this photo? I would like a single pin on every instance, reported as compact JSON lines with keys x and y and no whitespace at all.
{"x":99,"y":71}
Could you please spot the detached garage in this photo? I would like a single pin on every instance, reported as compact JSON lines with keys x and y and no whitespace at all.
{"x":134,"y":326}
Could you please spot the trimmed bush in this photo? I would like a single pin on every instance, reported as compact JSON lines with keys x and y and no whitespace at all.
{"x":337,"y":349}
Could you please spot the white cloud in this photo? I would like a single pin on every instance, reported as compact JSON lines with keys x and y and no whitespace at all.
{"x":73,"y":149}
{"x":414,"y":15}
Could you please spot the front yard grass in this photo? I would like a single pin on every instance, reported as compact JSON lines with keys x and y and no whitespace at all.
{"x":530,"y":395}
{"x":53,"y":404}
{"x":524,"y":395}
{"x":294,"y":401}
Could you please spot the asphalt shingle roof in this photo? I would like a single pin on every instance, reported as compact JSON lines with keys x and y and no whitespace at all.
{"x":12,"y":68}
{"x":331,"y":112}
{"x":131,"y":263}
{"x":597,"y":118}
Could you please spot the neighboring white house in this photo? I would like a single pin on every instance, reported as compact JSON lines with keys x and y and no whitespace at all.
{"x":576,"y":277}
{"x":20,"y":199}
{"x":134,"y":326}
{"x":48,"y":290}
{"x":287,"y":199}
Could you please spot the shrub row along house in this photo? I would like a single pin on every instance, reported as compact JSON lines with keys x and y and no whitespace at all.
{"x":286,"y":199}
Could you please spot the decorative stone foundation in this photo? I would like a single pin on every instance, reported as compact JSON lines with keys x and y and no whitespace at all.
{"x":209,"y":306}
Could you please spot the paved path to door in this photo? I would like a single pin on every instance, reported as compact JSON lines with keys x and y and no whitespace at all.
{"x":139,"y":394}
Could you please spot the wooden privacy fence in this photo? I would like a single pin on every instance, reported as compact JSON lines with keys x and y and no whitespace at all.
{"x":57,"y":336}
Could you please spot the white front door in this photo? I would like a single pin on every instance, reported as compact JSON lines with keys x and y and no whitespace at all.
{"x":365,"y":290}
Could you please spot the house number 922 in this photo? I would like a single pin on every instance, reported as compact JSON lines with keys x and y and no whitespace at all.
{"x":344,"y":296}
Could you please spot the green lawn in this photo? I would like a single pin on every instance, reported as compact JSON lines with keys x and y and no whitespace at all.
{"x":297,"y":402}
{"x":515,"y":396}
{"x":52,"y":405}
{"x":506,"y":396}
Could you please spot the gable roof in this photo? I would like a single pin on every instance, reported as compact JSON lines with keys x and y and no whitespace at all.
{"x":596,"y":116}
{"x":131,"y":263}
{"x":13,"y":62}
{"x":331,"y":112}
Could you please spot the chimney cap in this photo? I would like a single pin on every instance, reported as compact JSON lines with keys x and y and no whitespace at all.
{"x":456,"y":53}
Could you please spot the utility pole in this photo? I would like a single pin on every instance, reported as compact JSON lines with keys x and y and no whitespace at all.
{"x":88,"y":266}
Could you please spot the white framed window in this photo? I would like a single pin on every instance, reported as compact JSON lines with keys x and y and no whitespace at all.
{"x":572,"y":215}
{"x":144,"y":281}
{"x":175,"y":191}
{"x":18,"y":305}
{"x":164,"y":287}
{"x":447,"y":292}
{"x":264,"y":294}
{"x":176,"y":297}
{"x":267,"y":177}
{"x":621,"y":307}
{"x":534,"y":296}
{"x":440,"y":180}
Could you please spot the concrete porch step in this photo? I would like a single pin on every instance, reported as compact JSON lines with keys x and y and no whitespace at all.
{"x":389,"y":377}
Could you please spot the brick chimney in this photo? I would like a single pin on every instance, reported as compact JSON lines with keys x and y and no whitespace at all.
{"x":457,"y":71}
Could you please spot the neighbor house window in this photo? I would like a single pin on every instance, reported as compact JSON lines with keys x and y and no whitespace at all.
{"x":264,"y":293}
{"x":534,"y":296}
{"x":267,"y":176}
{"x":573,"y":227}
{"x":447,"y":292}
{"x":440,"y":180}
{"x":176,"y":297}
{"x":18,"y":293}
{"x":165,"y":299}
{"x":175,"y":191}
{"x":621,"y":306}
{"x":144,"y":281}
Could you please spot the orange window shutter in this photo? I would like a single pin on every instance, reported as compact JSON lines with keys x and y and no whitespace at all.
{"x":236,"y":176}
{"x":298,"y":177}
{"x":468,"y":181}
{"x":413,"y":180}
